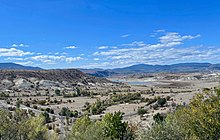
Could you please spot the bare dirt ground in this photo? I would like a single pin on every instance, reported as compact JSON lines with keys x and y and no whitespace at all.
{"x":180,"y":90}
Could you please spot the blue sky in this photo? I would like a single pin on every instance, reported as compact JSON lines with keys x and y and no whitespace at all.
{"x":108,"y":33}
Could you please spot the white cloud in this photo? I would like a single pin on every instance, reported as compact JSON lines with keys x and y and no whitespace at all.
{"x":175,"y":37}
{"x":14,"y":45}
{"x":28,"y":63}
{"x":126,"y":35}
{"x":53,"y":59}
{"x":13,"y":52}
{"x":159,"y":31}
{"x":20,"y":45}
{"x":103,"y":47}
{"x":107,"y":47}
{"x":15,"y":58}
{"x":71,"y":47}
{"x":96,"y":59}
{"x":167,"y":50}
{"x":135,"y":43}
{"x":50,"y":59}
{"x":72,"y":59}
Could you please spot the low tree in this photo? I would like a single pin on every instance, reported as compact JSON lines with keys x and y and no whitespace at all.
{"x":161,"y":101}
{"x":158,"y":118}
{"x":85,"y":129}
{"x":19,"y":126}
{"x":46,"y":117}
{"x":115,"y":128}
{"x":57,"y":92}
{"x":110,"y":127}
{"x":18,"y":104}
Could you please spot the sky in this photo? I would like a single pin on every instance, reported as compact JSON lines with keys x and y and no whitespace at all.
{"x":108,"y":33}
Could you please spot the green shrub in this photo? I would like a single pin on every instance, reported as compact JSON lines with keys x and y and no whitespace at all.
{"x":158,"y":118}
{"x":57,"y":92}
{"x":142,"y":111}
{"x":161,"y":101}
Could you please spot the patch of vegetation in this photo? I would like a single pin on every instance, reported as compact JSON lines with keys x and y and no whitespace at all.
{"x":125,"y":98}
{"x":57,"y":92}
{"x":46,"y":117}
{"x":111,"y":127}
{"x":99,"y":106}
{"x":200,"y":120}
{"x":18,"y":103}
{"x":151,"y":101}
{"x":49,"y":110}
{"x":68,"y":113}
{"x":142,"y":111}
{"x":3,"y":96}
{"x":159,"y":118}
{"x":42,"y":102}
{"x":19,"y":126}
{"x":161,"y":101}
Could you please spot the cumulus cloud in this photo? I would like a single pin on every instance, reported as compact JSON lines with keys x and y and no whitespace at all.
{"x":53,"y":59}
{"x":15,"y":58}
{"x":71,"y":47}
{"x":175,"y":37}
{"x":13,"y":52}
{"x":166,"y":50}
{"x":72,"y":59}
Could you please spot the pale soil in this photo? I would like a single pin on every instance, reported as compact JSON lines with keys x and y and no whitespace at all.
{"x":179,"y":90}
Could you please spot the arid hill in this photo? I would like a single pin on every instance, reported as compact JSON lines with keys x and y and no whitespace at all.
{"x":59,"y":75}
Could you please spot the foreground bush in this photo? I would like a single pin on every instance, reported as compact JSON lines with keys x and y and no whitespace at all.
{"x":85,"y":129}
{"x":162,"y":131}
{"x":20,"y":127}
{"x":200,"y":120}
{"x":110,"y":127}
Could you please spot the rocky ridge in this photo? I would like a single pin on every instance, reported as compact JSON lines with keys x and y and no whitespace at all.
{"x":25,"y":79}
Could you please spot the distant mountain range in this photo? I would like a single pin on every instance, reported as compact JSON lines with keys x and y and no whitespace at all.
{"x":13,"y":66}
{"x":134,"y":69}
{"x":145,"y":68}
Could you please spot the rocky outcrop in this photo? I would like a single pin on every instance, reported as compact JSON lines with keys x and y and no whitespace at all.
{"x":6,"y":84}
{"x":23,"y":84}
